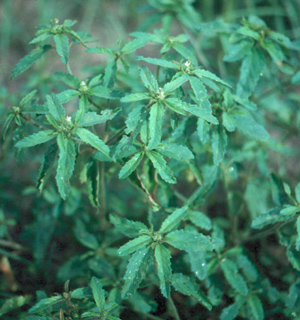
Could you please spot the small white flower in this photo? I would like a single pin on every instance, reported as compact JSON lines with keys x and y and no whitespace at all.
{"x":68,"y":119}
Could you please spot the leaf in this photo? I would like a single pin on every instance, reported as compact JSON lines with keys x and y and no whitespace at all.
{"x":98,"y":293}
{"x":132,"y":46}
{"x":134,"y":245}
{"x":185,"y":52}
{"x":67,"y":95}
{"x":209,"y":75}
{"x":252,"y":66}
{"x":28,"y":97}
{"x":200,"y":220}
{"x":29,"y":60}
{"x":176,"y":83}
{"x":248,"y":268}
{"x":36,"y":138}
{"x":160,"y":165}
{"x":188,"y":241}
{"x":233,"y":310}
{"x":89,"y":119}
{"x":148,"y":79}
{"x":198,"y":263}
{"x":297,"y":192}
{"x":93,"y":140}
{"x":158,"y":62}
{"x":219,"y":144}
{"x":164,"y":271}
{"x":290,"y":211}
{"x":131,"y":165}
{"x":186,"y":286}
{"x":45,"y":170}
{"x":68,"y":79}
{"x":13,"y":303}
{"x":233,"y":277}
{"x":40,"y":38}
{"x":173,"y":220}
{"x":296,"y":78}
{"x":200,"y":94}
{"x":62,"y":47}
{"x":129,"y":228}
{"x":298,"y":234}
{"x":86,"y":238}
{"x":136,"y":271}
{"x":293,"y":257}
{"x":279,"y":195}
{"x":110,"y":74}
{"x":93,"y":182}
{"x":237,"y":51}
{"x":155,"y":124}
{"x":44,"y":304}
{"x":101,"y":92}
{"x":203,"y":130}
{"x":66,"y":163}
{"x":175,"y":151}
{"x":228,"y":121}
{"x":255,"y":307}
{"x":136,"y":97}
{"x":55,"y":107}
{"x":134,"y":119}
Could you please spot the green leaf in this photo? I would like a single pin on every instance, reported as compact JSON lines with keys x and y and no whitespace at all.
{"x":148,"y":79}
{"x":44,"y":304}
{"x":158,"y":62}
{"x":101,"y":92}
{"x":296,"y":78}
{"x":93,"y":140}
{"x":200,"y":94}
{"x":185,"y":52}
{"x":175,"y":151}
{"x":13,"y":303}
{"x":136,"y":271}
{"x":66,"y":163}
{"x":209,"y":75}
{"x":29,"y":60}
{"x":233,"y":277}
{"x":164,"y":271}
{"x":28,"y":97}
{"x":290,"y":211}
{"x":252,"y":66}
{"x":86,"y":238}
{"x":67,"y":95}
{"x":279,"y":195}
{"x":155,"y":124}
{"x":237,"y":51}
{"x":255,"y":307}
{"x":247,"y":267}
{"x":110,"y":74}
{"x":160,"y":165}
{"x":176,"y":83}
{"x":68,"y":79}
{"x":228,"y":121}
{"x":131,"y":165}
{"x":89,"y":119}
{"x":55,"y":107}
{"x":40,"y":38}
{"x":188,"y":241}
{"x":200,"y":220}
{"x":298,"y":232}
{"x":98,"y":293}
{"x":203,"y":130}
{"x":134,"y":245}
{"x":219,"y":144}
{"x":93,"y":182}
{"x":129,"y":228}
{"x":231,"y":312}
{"x":173,"y":220}
{"x":293,"y":257}
{"x":297,"y":192}
{"x":62,"y":47}
{"x":135,"y":97}
{"x":45,"y":170}
{"x":36,"y":138}
{"x":186,"y":286}
{"x":132,"y":46}
{"x":198,"y":263}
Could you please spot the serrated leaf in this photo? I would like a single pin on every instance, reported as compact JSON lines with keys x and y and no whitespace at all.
{"x":298,"y":234}
{"x":136,"y":271}
{"x":173,"y":220}
{"x":101,"y":92}
{"x":131,"y":165}
{"x":233,"y":277}
{"x":148,"y":79}
{"x":44,"y":304}
{"x":293,"y":257}
{"x":28,"y":97}
{"x":278,"y":193}
{"x":255,"y":307}
{"x":108,"y":51}
{"x":219,"y":144}
{"x":13,"y":303}
{"x":81,"y":293}
{"x":66,"y":163}
{"x":129,"y":228}
{"x":40,"y":38}
{"x":175,"y":151}
{"x":209,"y":75}
{"x":164,"y":271}
{"x":203,"y":130}
{"x":155,"y":124}
{"x":231,"y":312}
{"x":110,"y":74}
{"x":200,"y":220}
{"x":93,"y":140}
{"x":252,"y":66}
{"x":198,"y":263}
{"x":45,"y":170}
{"x":297,"y":192}
{"x":247,"y":267}
{"x":62,"y":47}
{"x":189,"y":241}
{"x":36,"y":138}
{"x":132,"y":46}
{"x":133,"y":119}
{"x":86,"y":238}
{"x":186,"y":286}
{"x":98,"y":293}
{"x":134,"y":245}
{"x":185,"y":52}
{"x":237,"y":51}
{"x":160,"y":165}
{"x":136,"y":97}
{"x":89,"y":119}
{"x":200,"y":93}
{"x":93,"y":182}
{"x":67,"y":95}
{"x":228,"y":121}
{"x":29,"y":60}
{"x":290,"y":211}
{"x":293,"y":295}
{"x":158,"y":62}
{"x":68,"y":79}
{"x":176,"y":83}
{"x":55,"y":107}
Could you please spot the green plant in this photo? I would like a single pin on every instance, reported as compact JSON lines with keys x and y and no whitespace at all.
{"x":183,"y":151}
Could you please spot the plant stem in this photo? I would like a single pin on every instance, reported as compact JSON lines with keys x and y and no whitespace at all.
{"x":174,"y":309}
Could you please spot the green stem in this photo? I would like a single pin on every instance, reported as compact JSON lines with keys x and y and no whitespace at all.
{"x":174,"y":309}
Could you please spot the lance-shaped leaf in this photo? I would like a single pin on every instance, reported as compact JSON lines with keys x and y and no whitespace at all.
{"x":36,"y":138}
{"x":200,"y":220}
{"x":45,"y":170}
{"x":186,"y":286}
{"x":148,"y":79}
{"x":176,"y":83}
{"x":133,"y":119}
{"x":136,"y":97}
{"x":44,"y":304}
{"x":233,"y":277}
{"x":238,"y":50}
{"x":160,"y":165}
{"x":110,"y":74}
{"x":28,"y":97}
{"x":158,"y":62}
{"x":219,"y":144}
{"x":164,"y":271}
{"x":136,"y":271}
{"x":86,"y":238}
{"x":62,"y":47}
{"x":68,"y":79}
{"x":175,"y":151}
{"x":41,"y":37}
{"x":101,"y":92}
{"x":297,"y":192}
{"x":155,"y":124}
{"x":55,"y":107}
{"x":200,"y":93}
{"x":88,"y":119}
{"x":207,"y":74}
{"x":89,"y":138}
{"x":134,"y":245}
{"x":173,"y":220}
{"x":129,"y":228}
{"x":133,"y":45}
{"x":198,"y":263}
{"x":231,"y":312}
{"x":131,"y":165}
{"x":66,"y":163}
{"x":29,"y":60}
{"x":255,"y":307}
{"x":67,"y":95}
{"x":93,"y":182}
{"x":298,"y":232}
{"x":247,"y":267}
{"x":186,"y":240}
{"x":98,"y":293}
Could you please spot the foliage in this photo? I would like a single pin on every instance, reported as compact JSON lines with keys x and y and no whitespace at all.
{"x":184,"y":139}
